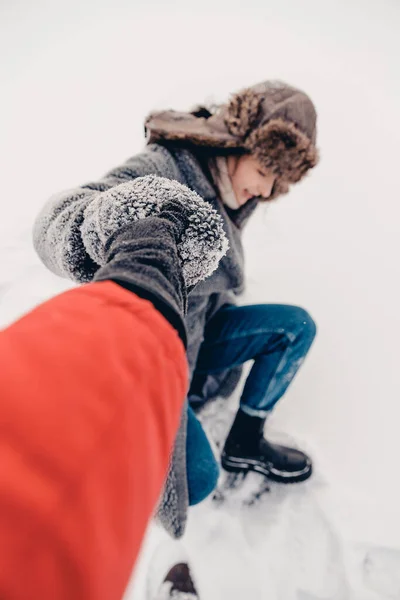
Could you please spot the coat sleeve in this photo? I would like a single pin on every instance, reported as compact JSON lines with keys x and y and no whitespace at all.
{"x":92,"y":387}
{"x":57,"y":234}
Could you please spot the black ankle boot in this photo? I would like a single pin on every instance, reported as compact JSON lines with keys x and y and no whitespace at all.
{"x":246,"y":449}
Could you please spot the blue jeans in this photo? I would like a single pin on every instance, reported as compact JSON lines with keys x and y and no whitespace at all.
{"x":277,"y":337}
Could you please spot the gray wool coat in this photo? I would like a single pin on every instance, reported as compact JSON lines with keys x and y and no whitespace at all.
{"x":58,"y":240}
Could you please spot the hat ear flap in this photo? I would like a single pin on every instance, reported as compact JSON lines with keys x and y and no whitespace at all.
{"x":242,"y":113}
{"x":282,"y":147}
{"x":281,"y":137}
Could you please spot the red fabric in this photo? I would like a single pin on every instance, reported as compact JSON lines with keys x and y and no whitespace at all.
{"x":92,"y":385}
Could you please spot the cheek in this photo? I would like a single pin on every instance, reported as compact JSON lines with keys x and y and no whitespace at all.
{"x":240,"y":180}
{"x":235,"y":180}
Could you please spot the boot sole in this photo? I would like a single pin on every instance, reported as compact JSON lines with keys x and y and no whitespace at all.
{"x":239,"y":465}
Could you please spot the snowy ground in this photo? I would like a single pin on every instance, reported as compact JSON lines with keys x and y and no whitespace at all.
{"x":77,"y":80}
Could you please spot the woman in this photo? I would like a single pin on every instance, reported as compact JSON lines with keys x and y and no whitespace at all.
{"x":249,"y":150}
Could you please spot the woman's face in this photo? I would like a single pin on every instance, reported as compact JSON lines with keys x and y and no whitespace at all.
{"x":249,"y":179}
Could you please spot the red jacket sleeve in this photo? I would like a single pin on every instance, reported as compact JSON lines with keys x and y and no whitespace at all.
{"x":92,"y":385}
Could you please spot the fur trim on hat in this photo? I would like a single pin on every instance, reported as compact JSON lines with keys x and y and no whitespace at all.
{"x":279,"y":145}
{"x":242,"y":113}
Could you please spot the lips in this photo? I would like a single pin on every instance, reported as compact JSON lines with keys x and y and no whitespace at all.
{"x":247,"y":195}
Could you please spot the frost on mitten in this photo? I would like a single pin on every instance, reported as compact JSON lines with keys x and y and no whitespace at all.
{"x":202,"y":244}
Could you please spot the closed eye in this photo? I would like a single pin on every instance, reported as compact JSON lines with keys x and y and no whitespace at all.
{"x":261,"y":173}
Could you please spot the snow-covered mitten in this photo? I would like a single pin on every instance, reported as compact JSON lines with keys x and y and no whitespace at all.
{"x":201,"y":244}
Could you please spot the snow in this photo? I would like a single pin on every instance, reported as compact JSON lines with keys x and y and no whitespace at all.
{"x":77,"y":80}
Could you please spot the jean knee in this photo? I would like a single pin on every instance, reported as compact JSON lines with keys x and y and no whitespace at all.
{"x":307,"y":323}
{"x":202,"y":466}
{"x":202,"y":483}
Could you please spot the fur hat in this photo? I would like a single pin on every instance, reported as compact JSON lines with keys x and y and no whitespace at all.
{"x":272,"y":121}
